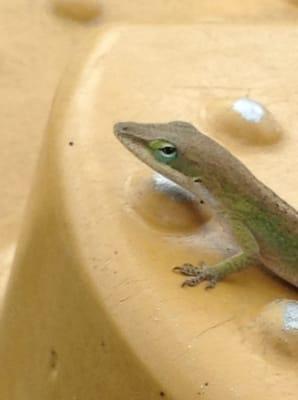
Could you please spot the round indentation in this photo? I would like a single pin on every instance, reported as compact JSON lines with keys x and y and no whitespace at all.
{"x":83,"y":10}
{"x":243,"y":119}
{"x":278,"y":325}
{"x":166,"y":205}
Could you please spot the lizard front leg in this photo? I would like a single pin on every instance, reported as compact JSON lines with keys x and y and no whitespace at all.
{"x":213,"y":274}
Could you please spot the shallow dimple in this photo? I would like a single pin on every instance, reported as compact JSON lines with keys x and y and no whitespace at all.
{"x":80,"y":10}
{"x":242,"y":119}
{"x":276,"y":328}
{"x":165,"y":205}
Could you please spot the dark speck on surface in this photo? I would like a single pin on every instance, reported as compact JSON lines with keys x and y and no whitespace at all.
{"x":53,"y":359}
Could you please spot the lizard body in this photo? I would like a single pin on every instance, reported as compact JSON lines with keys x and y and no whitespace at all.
{"x":264,"y":225}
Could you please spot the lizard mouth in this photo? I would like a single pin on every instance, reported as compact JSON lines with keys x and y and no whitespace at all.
{"x":124,"y":132}
{"x":125,"y":135}
{"x":121,"y":128}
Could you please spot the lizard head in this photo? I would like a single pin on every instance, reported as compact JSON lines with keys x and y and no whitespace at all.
{"x":181,"y":153}
{"x":176,"y":150}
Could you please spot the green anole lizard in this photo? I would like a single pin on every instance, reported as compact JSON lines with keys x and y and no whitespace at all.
{"x":264,"y":225}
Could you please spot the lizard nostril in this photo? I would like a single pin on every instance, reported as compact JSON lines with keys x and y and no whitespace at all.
{"x":121,"y":128}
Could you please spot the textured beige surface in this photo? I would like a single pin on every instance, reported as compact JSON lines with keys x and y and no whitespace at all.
{"x":34,"y":49}
{"x":35,"y":46}
{"x":193,"y":11}
{"x":92,"y":307}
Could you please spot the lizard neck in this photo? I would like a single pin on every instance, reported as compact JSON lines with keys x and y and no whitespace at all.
{"x":232,"y":189}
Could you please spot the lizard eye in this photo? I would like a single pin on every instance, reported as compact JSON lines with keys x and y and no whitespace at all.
{"x":163,"y":151}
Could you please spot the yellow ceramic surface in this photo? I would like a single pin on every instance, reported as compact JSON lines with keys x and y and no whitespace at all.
{"x":91,"y":309}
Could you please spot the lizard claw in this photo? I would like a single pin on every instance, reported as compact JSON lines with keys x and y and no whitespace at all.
{"x":198,"y":274}
{"x":185,"y":269}
{"x":189,"y":269}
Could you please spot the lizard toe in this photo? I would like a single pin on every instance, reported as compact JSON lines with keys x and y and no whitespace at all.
{"x":188,"y":270}
{"x":206,"y":274}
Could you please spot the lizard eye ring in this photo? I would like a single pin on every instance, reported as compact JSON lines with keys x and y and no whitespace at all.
{"x":166,"y":153}
{"x":163,"y":151}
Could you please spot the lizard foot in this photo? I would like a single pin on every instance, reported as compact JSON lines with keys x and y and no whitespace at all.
{"x":199,"y":274}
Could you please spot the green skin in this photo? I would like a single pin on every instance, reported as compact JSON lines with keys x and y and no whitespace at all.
{"x":265,"y":226}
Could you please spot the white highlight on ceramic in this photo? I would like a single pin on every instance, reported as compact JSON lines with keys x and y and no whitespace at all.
{"x":291,"y":316}
{"x":164,"y":184}
{"x":249,"y":109}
